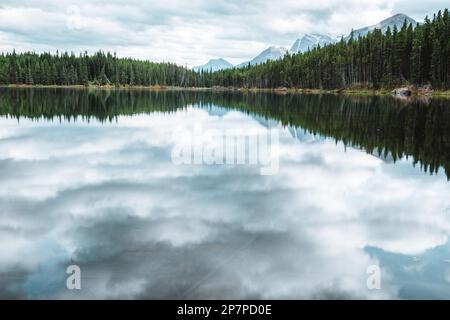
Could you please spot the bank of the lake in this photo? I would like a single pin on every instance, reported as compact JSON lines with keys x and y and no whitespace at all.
{"x":353,"y":91}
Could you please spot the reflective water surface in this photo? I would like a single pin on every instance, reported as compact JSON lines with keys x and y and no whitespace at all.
{"x":87,"y":178}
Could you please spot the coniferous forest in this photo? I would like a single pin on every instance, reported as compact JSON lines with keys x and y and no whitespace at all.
{"x":412,"y":55}
{"x":419,"y":55}
{"x":102,"y":69}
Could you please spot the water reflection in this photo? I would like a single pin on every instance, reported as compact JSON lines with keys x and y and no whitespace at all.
{"x":383,"y":126}
{"x":106,"y":196}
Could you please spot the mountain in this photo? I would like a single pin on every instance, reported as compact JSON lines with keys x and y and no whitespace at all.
{"x":271,"y":53}
{"x":305,"y":42}
{"x":395,"y":20}
{"x":309,"y":41}
{"x":214,"y":65}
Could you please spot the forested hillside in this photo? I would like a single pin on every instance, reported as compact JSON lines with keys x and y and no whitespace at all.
{"x":418,"y":55}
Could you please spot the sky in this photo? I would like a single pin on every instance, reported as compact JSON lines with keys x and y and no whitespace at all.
{"x":187,"y":32}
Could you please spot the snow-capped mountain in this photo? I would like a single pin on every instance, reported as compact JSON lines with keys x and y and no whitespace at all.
{"x":214,"y":65}
{"x":395,"y":20}
{"x":310,"y":41}
{"x":307,"y":41}
{"x":271,"y":53}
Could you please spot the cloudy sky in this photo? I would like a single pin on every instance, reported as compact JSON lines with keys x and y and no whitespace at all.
{"x":187,"y":32}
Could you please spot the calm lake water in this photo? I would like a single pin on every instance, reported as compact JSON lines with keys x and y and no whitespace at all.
{"x":88,"y":179}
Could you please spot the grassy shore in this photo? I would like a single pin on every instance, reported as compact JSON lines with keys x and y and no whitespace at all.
{"x":355,"y":92}
{"x":106,"y":87}
{"x":349,"y":92}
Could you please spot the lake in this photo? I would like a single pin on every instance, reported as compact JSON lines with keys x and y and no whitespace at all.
{"x":356,"y":203}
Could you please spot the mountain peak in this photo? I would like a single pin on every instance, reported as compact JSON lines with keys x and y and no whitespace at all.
{"x":310,"y":41}
{"x":271,"y":53}
{"x":214,"y":65}
{"x":401,"y":16}
{"x":218,"y":60}
{"x":275,"y":50}
{"x":395,"y":20}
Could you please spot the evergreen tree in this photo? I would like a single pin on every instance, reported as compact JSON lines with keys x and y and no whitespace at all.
{"x":29,"y":79}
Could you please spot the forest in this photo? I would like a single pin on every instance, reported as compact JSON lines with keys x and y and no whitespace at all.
{"x":99,"y":69}
{"x":417,"y":55}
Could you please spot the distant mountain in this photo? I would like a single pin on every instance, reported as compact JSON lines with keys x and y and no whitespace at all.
{"x":214,"y":65}
{"x":395,"y":20}
{"x":310,"y":41}
{"x":305,"y":42}
{"x":271,"y":53}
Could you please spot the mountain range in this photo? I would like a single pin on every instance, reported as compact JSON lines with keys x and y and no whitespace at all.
{"x":305,"y":43}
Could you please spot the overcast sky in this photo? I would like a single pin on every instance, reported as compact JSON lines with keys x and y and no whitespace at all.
{"x":187,"y":32}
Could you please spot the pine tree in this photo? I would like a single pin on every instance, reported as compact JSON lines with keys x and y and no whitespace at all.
{"x":54,"y":75}
{"x":84,"y":76}
{"x":29,"y":79}
{"x":116,"y":72}
{"x":102,"y":78}
{"x":131,"y":82}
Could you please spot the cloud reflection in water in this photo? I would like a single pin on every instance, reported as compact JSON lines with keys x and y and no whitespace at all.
{"x":107,"y":197}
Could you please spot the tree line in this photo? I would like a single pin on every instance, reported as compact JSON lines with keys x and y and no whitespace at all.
{"x":412,"y":55}
{"x":101,"y":68}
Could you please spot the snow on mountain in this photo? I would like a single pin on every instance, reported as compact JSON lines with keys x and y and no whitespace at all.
{"x":307,"y":41}
{"x":271,"y":53}
{"x":310,"y":41}
{"x":395,"y":20}
{"x":214,"y":65}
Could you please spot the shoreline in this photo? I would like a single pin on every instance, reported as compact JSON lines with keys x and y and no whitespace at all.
{"x":281,"y":91}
